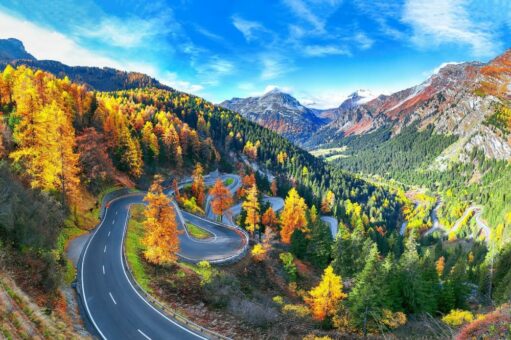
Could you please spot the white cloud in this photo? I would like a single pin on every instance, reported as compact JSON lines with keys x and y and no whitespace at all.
{"x":247,"y":28}
{"x":44,"y":43}
{"x":322,"y":99}
{"x":171,"y":79}
{"x":437,"y":22}
{"x":126,"y":33}
{"x":210,"y":71}
{"x":324,"y":50}
{"x":301,"y":10}
{"x":363,"y":40}
{"x":273,"y":66}
{"x":285,"y":89}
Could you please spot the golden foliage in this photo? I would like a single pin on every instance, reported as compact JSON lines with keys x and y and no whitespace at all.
{"x":162,"y":235}
{"x":440,"y":265}
{"x":258,"y":252}
{"x":198,"y":186}
{"x":328,"y":202}
{"x":269,"y":218}
{"x":458,"y":317}
{"x":221,"y":198}
{"x":251,"y":206}
{"x":293,"y":215}
{"x":324,"y":299}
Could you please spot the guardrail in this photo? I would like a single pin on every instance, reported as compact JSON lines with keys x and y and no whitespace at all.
{"x":182,"y":320}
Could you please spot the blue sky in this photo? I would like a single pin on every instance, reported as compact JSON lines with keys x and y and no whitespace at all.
{"x":318,"y":50}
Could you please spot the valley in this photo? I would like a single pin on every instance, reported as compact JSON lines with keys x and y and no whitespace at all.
{"x":133,"y":210}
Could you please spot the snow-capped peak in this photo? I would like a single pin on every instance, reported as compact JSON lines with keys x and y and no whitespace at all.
{"x":357,"y":98}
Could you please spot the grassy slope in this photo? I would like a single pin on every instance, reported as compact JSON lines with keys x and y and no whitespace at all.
{"x":135,"y":248}
{"x":198,"y":232}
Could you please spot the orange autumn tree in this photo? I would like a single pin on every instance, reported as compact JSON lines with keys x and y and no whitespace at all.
{"x":274,"y":187}
{"x":269,"y":218}
{"x":162,"y":235}
{"x":324,"y":299}
{"x":251,"y":206}
{"x":198,"y":186}
{"x":440,"y":265}
{"x":221,"y":198}
{"x":292,"y":216}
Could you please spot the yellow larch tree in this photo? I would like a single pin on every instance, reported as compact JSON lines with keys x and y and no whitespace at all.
{"x":251,"y":206}
{"x":221,"y":198}
{"x":328,"y":202}
{"x":162,"y":235}
{"x":292,"y":216}
{"x":281,"y":157}
{"x":198,"y":186}
{"x":324,"y":299}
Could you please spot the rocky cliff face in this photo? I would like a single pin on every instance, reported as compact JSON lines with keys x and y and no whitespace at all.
{"x":459,"y":100}
{"x":13,"y":49}
{"x":279,"y":112}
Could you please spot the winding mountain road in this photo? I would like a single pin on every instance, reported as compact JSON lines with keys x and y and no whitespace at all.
{"x":115,"y":307}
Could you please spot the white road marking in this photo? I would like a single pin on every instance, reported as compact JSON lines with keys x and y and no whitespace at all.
{"x":140,"y":296}
{"x":103,"y":270}
{"x":112,"y":298}
{"x":143,"y":334}
{"x":116,"y":213}
{"x":104,"y":251}
{"x":108,"y":234}
{"x":113,"y":221}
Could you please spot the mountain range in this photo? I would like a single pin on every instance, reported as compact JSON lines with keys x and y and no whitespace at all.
{"x":279,"y":112}
{"x":460,"y":100}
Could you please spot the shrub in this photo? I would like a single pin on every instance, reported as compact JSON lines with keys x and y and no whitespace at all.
{"x":458,"y":317}
{"x":258,"y":252}
{"x":393,"y":320}
{"x":298,"y":310}
{"x":278,"y":300}
{"x":190,"y":205}
{"x":254,"y":313}
{"x":205,"y":271}
{"x":289,"y":266}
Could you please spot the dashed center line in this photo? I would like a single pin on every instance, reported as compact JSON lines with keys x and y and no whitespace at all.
{"x":108,"y":234}
{"x":145,"y":336}
{"x":113,"y":221}
{"x":103,"y":270}
{"x":111,"y":296}
{"x":104,"y":251}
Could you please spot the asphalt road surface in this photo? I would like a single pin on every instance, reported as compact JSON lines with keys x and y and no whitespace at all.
{"x":114,"y":306}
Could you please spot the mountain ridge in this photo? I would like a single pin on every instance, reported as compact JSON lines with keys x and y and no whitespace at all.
{"x":279,"y":112}
{"x":12,"y":52}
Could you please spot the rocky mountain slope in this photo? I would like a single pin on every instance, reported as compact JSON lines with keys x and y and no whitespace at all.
{"x":279,"y":112}
{"x":460,"y":99}
{"x":13,"y":52}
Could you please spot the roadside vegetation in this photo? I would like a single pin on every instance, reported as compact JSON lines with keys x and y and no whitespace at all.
{"x":198,"y":232}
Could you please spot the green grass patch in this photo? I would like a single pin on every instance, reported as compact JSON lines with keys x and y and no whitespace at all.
{"x":228,"y":181}
{"x":135,"y":248}
{"x":198,"y":232}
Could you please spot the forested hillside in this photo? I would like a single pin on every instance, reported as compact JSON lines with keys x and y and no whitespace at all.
{"x":64,"y":146}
